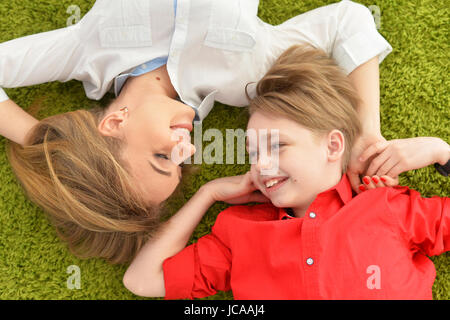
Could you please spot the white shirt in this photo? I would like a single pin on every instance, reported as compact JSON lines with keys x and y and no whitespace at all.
{"x":214,"y":48}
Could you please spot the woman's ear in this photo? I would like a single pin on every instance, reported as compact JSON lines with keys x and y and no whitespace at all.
{"x":112,"y":124}
{"x":336,"y":145}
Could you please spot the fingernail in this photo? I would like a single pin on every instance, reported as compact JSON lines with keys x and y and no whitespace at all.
{"x":383,"y":179}
{"x":362,"y":188}
{"x":361,"y":159}
{"x":375,"y":180}
{"x":366,"y":180}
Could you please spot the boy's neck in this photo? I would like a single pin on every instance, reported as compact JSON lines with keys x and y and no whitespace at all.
{"x":300,"y":212}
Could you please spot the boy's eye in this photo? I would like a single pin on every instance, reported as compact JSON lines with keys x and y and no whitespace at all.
{"x":276,"y":146}
{"x":252,"y":156}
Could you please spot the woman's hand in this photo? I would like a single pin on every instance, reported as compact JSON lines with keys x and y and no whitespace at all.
{"x":377,"y":182}
{"x":399,"y":155}
{"x":391,"y":158}
{"x":357,"y":168}
{"x":235,"y":190}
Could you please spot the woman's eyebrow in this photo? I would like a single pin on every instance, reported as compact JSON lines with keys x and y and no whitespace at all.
{"x":166,"y":173}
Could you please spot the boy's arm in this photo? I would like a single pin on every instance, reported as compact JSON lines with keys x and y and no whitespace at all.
{"x":15,"y":123}
{"x":424,"y":223}
{"x":145,"y":276}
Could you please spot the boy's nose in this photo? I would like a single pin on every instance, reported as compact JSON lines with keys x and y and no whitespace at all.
{"x":263,"y":163}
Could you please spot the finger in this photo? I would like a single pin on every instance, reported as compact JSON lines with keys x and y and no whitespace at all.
{"x":376,"y":163}
{"x":247,"y":179}
{"x":377,"y":181}
{"x":395,"y":171}
{"x":389,"y":181}
{"x":387,"y":166}
{"x":258,"y":197}
{"x":368,"y":183}
{"x":373,"y":149}
{"x":355,"y":181}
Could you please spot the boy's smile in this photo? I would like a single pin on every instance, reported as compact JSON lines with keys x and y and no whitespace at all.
{"x":306,"y":164}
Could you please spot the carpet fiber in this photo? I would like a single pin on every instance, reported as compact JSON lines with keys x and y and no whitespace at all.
{"x":414,"y":86}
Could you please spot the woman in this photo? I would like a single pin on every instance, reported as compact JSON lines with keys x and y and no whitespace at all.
{"x":102,"y":174}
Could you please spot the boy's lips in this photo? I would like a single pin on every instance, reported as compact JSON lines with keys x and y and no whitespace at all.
{"x":273,"y":183}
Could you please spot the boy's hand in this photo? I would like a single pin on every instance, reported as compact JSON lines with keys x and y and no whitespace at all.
{"x":235,"y":190}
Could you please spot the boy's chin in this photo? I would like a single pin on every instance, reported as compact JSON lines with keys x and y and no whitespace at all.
{"x":279,"y":203}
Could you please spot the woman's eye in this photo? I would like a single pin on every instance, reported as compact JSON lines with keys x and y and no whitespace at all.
{"x":162,"y":156}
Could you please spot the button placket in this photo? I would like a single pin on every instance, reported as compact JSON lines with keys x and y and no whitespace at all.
{"x":310,"y":251}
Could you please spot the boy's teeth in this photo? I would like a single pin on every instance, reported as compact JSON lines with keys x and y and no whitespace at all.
{"x":272,"y":182}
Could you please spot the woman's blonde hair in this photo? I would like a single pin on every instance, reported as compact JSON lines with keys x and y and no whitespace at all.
{"x":76,"y":175}
{"x":307,"y":86}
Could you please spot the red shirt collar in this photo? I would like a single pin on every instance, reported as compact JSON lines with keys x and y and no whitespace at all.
{"x":343,"y":190}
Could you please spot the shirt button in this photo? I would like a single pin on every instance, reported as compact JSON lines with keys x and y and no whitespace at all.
{"x":312,"y":215}
{"x":309,"y":261}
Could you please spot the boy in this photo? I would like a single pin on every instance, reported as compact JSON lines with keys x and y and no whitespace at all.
{"x":314,"y":240}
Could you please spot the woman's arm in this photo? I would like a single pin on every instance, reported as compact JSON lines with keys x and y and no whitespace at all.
{"x":39,"y":58}
{"x":365,"y":79}
{"x":15,"y":123}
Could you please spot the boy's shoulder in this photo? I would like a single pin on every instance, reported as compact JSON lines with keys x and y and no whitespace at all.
{"x":257,"y":212}
{"x":391,"y":192}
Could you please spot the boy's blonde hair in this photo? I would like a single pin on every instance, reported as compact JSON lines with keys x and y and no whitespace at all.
{"x":307,"y":86}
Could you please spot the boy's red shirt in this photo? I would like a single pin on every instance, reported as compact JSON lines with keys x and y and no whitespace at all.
{"x":372,"y":246}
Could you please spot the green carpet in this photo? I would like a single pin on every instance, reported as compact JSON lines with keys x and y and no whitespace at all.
{"x":414,"y":102}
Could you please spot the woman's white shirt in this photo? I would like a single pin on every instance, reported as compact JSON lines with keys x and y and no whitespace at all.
{"x":214,"y":48}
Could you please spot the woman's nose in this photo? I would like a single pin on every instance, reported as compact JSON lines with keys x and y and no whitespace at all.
{"x":181,"y":146}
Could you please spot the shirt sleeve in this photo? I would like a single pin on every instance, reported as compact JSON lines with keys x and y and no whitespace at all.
{"x":424,"y":222}
{"x":39,"y":58}
{"x":357,"y":38}
{"x":3,"y":95}
{"x":345,"y":30}
{"x":201,"y":269}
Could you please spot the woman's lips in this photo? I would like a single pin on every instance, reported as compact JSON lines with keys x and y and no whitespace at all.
{"x":183,"y":126}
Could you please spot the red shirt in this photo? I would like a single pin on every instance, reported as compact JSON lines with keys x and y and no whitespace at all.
{"x":371,"y":246}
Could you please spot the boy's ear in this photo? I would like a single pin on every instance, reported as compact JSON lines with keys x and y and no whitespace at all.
{"x":336,"y":145}
{"x":112,"y":124}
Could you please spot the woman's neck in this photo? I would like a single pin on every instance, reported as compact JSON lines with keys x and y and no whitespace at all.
{"x":156,"y":82}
